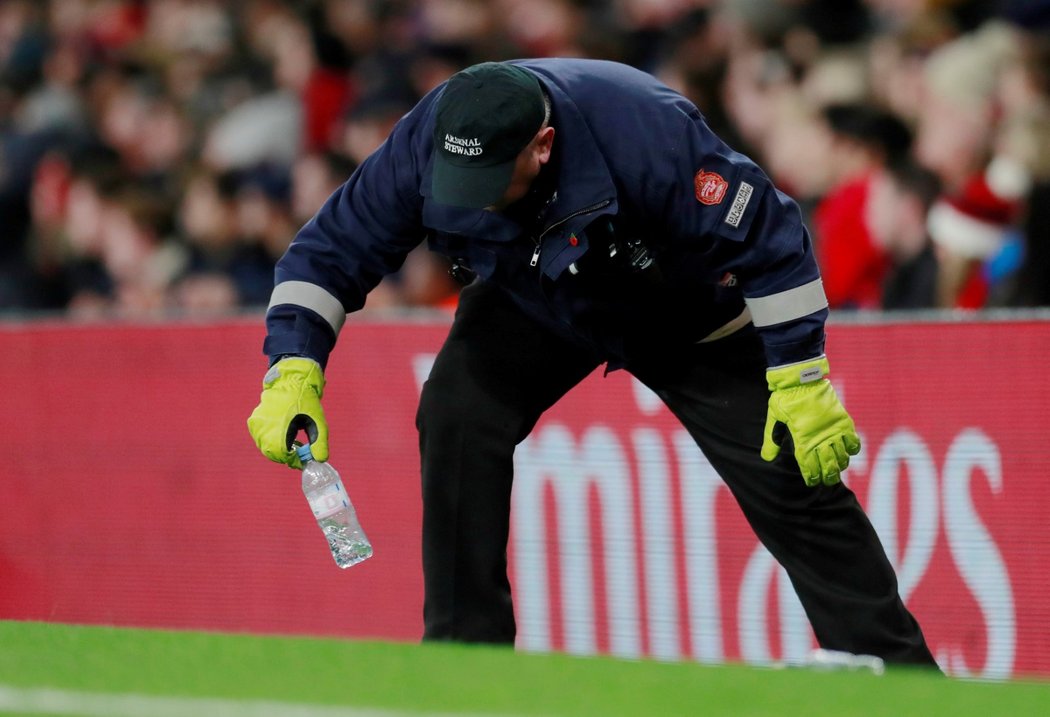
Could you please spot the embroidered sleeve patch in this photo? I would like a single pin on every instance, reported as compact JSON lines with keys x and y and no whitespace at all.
{"x":736,"y":209}
{"x":710,"y":188}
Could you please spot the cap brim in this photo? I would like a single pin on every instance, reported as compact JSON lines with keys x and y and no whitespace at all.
{"x":470,"y":187}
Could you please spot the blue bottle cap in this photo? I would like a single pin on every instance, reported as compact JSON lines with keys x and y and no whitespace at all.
{"x":304,"y":453}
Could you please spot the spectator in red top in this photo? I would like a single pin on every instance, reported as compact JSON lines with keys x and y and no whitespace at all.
{"x":852,"y":265}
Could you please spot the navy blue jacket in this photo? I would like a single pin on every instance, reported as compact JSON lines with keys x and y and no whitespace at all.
{"x":636,"y":161}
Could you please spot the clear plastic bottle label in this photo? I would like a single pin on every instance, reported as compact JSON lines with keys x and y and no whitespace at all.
{"x":326,"y":502}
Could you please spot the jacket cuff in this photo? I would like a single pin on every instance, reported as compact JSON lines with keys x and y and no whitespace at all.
{"x":794,"y":341}
{"x":299,"y":332}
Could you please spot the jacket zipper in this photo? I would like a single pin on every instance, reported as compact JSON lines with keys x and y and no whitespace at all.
{"x":539,"y":239}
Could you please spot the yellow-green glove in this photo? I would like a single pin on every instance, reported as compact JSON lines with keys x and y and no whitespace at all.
{"x":290,"y":402}
{"x":823,"y":433}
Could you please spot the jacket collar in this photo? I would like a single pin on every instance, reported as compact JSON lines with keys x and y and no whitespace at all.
{"x":583,"y":180}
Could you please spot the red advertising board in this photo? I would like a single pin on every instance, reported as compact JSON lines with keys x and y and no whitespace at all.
{"x":131,"y":494}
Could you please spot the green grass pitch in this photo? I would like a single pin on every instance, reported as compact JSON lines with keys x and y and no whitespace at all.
{"x":75,"y":670}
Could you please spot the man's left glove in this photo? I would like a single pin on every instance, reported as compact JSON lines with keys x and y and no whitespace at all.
{"x":290,"y":402}
{"x":823,"y":433}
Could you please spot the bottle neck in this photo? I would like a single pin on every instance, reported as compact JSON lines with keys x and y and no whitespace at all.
{"x":305,"y":455}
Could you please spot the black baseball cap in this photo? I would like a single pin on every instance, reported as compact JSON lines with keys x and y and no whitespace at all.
{"x":486,"y":115}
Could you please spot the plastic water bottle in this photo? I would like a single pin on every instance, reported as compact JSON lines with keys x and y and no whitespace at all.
{"x":333,"y":510}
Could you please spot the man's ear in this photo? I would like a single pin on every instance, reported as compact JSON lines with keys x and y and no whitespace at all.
{"x":544,"y":142}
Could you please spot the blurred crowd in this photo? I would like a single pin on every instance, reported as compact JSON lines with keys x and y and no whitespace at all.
{"x":158,"y":156}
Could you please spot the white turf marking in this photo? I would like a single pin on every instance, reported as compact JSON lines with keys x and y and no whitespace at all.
{"x":49,"y":701}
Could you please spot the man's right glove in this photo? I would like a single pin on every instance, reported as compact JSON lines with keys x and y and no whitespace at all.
{"x":823,"y":433}
{"x":290,"y":402}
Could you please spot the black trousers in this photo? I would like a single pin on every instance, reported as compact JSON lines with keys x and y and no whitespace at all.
{"x":499,"y":370}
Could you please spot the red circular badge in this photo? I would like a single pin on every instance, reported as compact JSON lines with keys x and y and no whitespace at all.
{"x":710,"y":187}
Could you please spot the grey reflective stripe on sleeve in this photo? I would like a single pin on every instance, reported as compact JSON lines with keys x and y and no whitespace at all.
{"x":310,"y":296}
{"x":787,"y":305}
